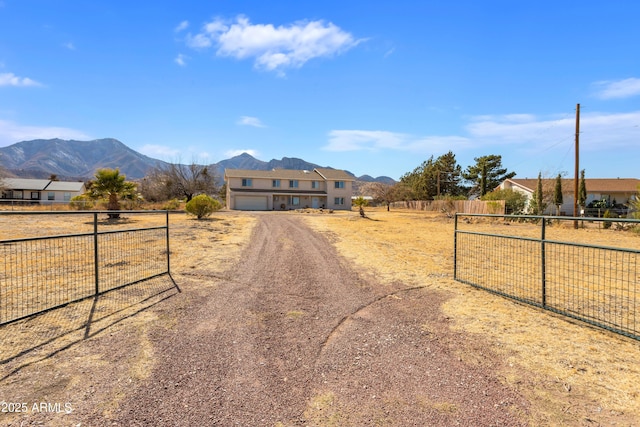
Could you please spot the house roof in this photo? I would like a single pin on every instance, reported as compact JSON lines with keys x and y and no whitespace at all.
{"x":25,"y":184}
{"x":41,"y":184}
{"x":340,"y":174}
{"x":316,"y":174}
{"x":594,"y":185}
{"x":65,"y":186}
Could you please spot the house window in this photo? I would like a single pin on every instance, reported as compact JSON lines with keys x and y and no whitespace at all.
{"x":339,"y":184}
{"x":67,"y":197}
{"x":293,"y":183}
{"x":35,"y":195}
{"x":246,"y":182}
{"x":276,"y":183}
{"x":294,"y":200}
{"x":17,"y":194}
{"x":51,"y":195}
{"x":338,"y":201}
{"x":315,"y":184}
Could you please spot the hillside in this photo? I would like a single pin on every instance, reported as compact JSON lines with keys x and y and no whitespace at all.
{"x":74,"y":160}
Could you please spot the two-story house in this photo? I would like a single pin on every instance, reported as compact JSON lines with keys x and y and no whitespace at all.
{"x":284,"y":189}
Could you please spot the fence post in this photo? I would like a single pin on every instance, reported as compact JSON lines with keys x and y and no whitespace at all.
{"x":168,"y":256}
{"x":455,"y":246}
{"x":95,"y":251}
{"x":543,"y":257}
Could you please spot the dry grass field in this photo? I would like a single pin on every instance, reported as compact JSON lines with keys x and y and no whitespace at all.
{"x":88,"y":354}
{"x":572,"y":373}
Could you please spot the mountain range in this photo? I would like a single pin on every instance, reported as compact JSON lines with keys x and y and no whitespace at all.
{"x":79,"y":160}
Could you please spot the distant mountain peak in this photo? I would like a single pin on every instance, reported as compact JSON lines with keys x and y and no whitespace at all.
{"x":41,"y":158}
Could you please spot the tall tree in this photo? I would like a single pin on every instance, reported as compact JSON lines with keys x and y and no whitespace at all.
{"x":582,"y":191}
{"x":537,"y":204}
{"x":557,"y":194}
{"x":448,"y":175}
{"x":486,"y":174}
{"x":434,"y":177}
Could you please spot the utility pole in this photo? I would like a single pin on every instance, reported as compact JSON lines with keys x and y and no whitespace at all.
{"x":577,"y":170}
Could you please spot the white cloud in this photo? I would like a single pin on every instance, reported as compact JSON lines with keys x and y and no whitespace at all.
{"x":617,"y":89}
{"x":69,"y":46}
{"x":233,"y":153}
{"x":273,"y":48}
{"x":181,"y":26}
{"x":250,"y":121}
{"x":199,"y":41}
{"x":159,"y":151}
{"x":180,"y":60}
{"x":10,"y":79}
{"x":597,"y":130}
{"x":359,"y":140}
{"x":11,"y":132}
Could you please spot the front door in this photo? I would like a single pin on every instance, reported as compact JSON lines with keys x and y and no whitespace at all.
{"x":315,"y":202}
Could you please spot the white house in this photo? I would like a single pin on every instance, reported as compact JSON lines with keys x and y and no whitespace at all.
{"x":283,"y":189}
{"x":613,"y":190}
{"x":22,"y":189}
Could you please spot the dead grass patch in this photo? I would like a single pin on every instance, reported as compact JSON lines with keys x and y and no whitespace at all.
{"x":572,"y":373}
{"x":40,"y":359}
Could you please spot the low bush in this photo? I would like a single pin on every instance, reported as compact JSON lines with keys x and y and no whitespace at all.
{"x":171,"y":205}
{"x":202,"y":206}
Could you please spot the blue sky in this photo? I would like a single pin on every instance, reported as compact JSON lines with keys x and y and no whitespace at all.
{"x":373,"y":87}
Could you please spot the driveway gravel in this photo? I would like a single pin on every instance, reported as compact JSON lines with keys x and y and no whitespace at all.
{"x":293,"y":335}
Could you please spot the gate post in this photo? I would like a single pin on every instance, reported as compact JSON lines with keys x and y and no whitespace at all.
{"x":543,"y":257}
{"x":95,"y":251}
{"x":455,"y":246}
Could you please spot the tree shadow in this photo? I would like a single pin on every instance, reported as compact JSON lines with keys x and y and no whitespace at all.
{"x":44,"y":335}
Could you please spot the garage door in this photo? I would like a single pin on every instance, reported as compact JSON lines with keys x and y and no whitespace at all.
{"x":251,"y":203}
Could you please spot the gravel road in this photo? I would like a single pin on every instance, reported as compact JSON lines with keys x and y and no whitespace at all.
{"x":293,"y":335}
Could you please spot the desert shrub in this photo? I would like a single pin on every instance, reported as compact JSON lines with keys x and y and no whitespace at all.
{"x":606,"y":224}
{"x":171,"y":205}
{"x":514,"y":202}
{"x":494,"y":207}
{"x":201,"y":206}
{"x":82,"y":202}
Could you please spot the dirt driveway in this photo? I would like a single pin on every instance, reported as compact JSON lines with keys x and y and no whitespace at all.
{"x":292,"y":335}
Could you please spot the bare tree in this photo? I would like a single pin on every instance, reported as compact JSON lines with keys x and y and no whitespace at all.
{"x":384,"y":193}
{"x":175,"y":180}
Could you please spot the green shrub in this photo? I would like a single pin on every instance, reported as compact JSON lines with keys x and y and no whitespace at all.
{"x":81,"y":202}
{"x":606,"y":224}
{"x":171,"y":205}
{"x":202,"y":206}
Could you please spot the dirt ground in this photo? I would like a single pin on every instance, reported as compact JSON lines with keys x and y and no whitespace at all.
{"x":357,"y":323}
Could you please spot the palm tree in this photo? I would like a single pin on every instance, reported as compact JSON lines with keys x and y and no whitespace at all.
{"x":361,"y":202}
{"x":110,"y":184}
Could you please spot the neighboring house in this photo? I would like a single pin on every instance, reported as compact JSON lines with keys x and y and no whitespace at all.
{"x":613,"y":190}
{"x":284,"y":189}
{"x":20,"y":189}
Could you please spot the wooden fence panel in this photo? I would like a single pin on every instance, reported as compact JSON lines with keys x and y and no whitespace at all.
{"x":454,"y":206}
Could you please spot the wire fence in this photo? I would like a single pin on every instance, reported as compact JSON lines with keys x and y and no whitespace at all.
{"x":593,"y":283}
{"x":42,"y":272}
